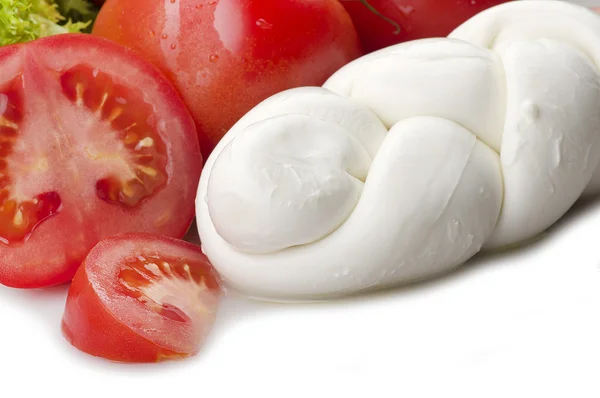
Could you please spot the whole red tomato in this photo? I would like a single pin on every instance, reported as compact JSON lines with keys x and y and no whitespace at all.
{"x":382,"y":23}
{"x":226,"y":56}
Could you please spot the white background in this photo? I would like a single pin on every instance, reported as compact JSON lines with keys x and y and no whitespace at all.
{"x":519,"y":324}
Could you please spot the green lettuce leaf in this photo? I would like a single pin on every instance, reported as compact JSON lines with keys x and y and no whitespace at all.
{"x":78,"y":10}
{"x":26,"y":20}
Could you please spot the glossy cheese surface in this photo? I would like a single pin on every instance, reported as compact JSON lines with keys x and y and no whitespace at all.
{"x":409,"y":160}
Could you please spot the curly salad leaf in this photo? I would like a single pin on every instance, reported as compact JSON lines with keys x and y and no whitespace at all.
{"x":26,"y":20}
{"x":77,"y":10}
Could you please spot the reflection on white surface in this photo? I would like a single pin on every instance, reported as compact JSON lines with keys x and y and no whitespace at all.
{"x":519,"y":324}
{"x":588,"y":3}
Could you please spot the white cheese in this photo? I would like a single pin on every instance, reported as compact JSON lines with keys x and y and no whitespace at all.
{"x":493,"y":135}
{"x":418,"y":216}
{"x":551,"y":135}
{"x":286,"y":181}
{"x":532,"y":20}
{"x":435,"y":77}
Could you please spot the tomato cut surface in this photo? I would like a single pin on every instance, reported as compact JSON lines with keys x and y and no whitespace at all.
{"x":94,"y":142}
{"x":142,"y":298}
{"x":18,"y":216}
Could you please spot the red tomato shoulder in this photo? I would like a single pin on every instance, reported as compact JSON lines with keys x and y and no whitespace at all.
{"x":226,"y":56}
{"x":382,"y":23}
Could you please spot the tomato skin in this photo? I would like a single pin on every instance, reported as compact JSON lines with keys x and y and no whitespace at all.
{"x":88,"y":326}
{"x":226,"y":56}
{"x":91,"y":323}
{"x":56,"y":248}
{"x":417,"y":19}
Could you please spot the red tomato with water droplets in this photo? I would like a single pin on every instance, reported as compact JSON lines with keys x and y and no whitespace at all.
{"x":94,"y":141}
{"x":142,"y":298}
{"x":226,"y":56}
{"x":382,"y":23}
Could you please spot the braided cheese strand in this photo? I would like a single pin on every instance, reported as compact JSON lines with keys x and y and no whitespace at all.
{"x":409,"y":160}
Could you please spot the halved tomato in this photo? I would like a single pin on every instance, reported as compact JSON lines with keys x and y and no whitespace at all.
{"x":142,"y":298}
{"x":94,"y":141}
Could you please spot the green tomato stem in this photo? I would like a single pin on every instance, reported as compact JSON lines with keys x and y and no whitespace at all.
{"x":380,"y":15}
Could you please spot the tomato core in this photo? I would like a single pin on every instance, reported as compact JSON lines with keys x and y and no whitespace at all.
{"x":159,"y":282}
{"x":125,"y":113}
{"x":18,"y":216}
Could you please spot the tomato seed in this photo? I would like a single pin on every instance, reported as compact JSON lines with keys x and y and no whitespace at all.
{"x":155,"y":281}
{"x":111,"y":102}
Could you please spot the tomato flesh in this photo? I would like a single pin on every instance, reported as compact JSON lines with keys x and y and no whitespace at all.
{"x":161,"y":283}
{"x":18,"y":218}
{"x":111,"y":103}
{"x":94,"y":142}
{"x":226,"y":56}
{"x":142,"y":298}
{"x":382,"y":23}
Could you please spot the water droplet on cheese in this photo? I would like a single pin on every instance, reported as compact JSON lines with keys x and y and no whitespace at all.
{"x":469,"y":241}
{"x":453,"y":230}
{"x":557,"y":152}
{"x":530,"y":110}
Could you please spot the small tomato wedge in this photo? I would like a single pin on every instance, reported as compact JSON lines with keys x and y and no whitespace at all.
{"x":94,"y":142}
{"x":142,"y":298}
